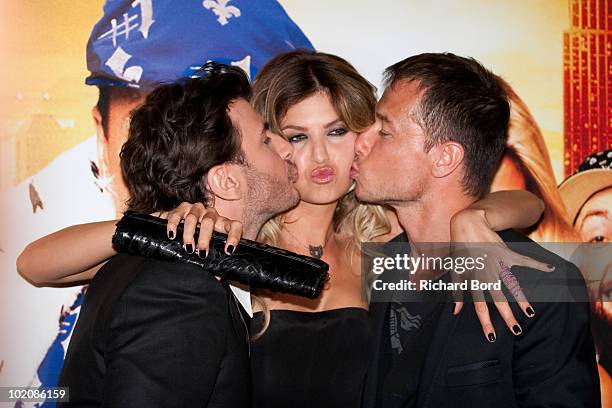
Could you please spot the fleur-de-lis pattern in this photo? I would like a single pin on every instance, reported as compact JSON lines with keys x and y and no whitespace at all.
{"x":221,"y":9}
{"x":244,"y":64}
{"x":117,"y":62}
{"x":141,"y":43}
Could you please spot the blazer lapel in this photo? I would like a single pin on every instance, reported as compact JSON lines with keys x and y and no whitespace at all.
{"x":433,"y":370}
{"x":377,"y":313}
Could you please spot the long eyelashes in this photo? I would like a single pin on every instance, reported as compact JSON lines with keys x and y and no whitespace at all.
{"x":338,"y":132}
{"x":297,"y":138}
{"x":301,"y":137}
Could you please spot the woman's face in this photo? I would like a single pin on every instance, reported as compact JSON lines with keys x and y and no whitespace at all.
{"x":323,"y":149}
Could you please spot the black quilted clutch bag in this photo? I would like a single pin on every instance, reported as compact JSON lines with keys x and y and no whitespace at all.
{"x":252,"y":263}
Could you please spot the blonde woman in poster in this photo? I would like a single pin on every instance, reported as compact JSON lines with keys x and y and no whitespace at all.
{"x":526,"y":165}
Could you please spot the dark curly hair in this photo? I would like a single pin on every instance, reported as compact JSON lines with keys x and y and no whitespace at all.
{"x":181,"y":131}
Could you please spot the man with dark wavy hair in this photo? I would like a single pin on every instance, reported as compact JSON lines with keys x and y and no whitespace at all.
{"x":133,"y":46}
{"x":162,"y":334}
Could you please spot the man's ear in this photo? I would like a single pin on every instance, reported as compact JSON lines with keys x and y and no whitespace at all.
{"x":97,"y":118}
{"x":446,"y":157}
{"x":225,"y":181}
{"x":104,"y":178}
{"x":101,"y":141}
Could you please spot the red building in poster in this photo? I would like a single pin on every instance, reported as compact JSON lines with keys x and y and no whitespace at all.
{"x":587,"y":83}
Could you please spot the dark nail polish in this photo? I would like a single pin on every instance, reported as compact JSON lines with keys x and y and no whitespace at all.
{"x":230,"y":249}
{"x":202,"y":253}
{"x":491,"y":337}
{"x":517,"y":329}
{"x":189,"y":248}
{"x":530,"y":312}
{"x":171,"y":234}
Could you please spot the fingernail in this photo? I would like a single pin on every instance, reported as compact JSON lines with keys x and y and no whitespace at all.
{"x":171,"y":234}
{"x":517,"y":329}
{"x":491,"y":337}
{"x":189,"y":248}
{"x":530,"y":311}
{"x":230,"y":249}
{"x":551,"y":266}
{"x":203,"y":251}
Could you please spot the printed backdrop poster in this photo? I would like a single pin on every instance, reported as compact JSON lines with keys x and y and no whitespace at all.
{"x":55,"y":171}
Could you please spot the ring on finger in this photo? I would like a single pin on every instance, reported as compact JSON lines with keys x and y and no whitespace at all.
{"x":510,"y":281}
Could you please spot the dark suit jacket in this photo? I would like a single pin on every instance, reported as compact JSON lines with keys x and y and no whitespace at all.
{"x":449,"y":363}
{"x":157,"y":334}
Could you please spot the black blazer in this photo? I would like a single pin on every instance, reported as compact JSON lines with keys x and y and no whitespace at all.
{"x":157,"y":334}
{"x":448,"y":362}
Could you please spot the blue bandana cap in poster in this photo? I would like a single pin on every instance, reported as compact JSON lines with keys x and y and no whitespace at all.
{"x":141,"y":43}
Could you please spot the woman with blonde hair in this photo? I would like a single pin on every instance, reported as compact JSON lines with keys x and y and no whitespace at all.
{"x":526,"y":166}
{"x":311,"y":352}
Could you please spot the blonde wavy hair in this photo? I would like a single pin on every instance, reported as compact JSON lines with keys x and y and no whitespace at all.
{"x":526,"y":147}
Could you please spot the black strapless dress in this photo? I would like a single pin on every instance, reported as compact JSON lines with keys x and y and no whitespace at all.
{"x":310,"y":359}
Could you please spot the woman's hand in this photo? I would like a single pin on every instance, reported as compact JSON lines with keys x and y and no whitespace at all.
{"x":471,"y":226}
{"x":208,"y":220}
